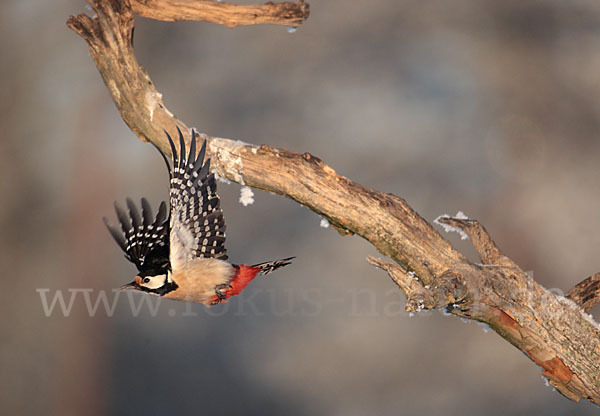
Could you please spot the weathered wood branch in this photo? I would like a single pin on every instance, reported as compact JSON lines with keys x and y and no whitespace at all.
{"x":586,"y":293}
{"x":553,"y":331}
{"x":447,"y":290}
{"x":230,"y":15}
{"x":488,"y":251}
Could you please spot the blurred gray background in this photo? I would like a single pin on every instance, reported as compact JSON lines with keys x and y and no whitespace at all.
{"x":489,"y":107}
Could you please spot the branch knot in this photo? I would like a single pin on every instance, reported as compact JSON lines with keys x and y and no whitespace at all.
{"x":447,"y":289}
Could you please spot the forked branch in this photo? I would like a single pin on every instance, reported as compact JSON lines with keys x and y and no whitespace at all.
{"x":553,"y":331}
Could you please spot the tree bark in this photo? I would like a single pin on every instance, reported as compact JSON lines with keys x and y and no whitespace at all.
{"x":230,"y":15}
{"x":554,"y":331}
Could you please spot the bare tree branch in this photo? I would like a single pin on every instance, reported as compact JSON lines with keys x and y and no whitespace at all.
{"x":448,"y":290}
{"x":230,"y":15}
{"x":553,"y":331}
{"x":586,"y":294}
{"x":488,"y":251}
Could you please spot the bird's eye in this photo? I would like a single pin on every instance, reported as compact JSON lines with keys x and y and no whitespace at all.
{"x":146,"y":279}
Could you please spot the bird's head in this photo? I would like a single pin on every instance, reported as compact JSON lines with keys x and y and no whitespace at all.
{"x":149,"y":282}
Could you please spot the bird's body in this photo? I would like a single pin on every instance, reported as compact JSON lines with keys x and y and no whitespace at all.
{"x":183,"y":257}
{"x":214,"y":273}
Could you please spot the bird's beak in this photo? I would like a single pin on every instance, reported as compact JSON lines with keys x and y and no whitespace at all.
{"x":133,"y":285}
{"x":128,"y":286}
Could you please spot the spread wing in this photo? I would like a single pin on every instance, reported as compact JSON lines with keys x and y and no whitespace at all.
{"x":145,"y":238}
{"x":197,"y":224}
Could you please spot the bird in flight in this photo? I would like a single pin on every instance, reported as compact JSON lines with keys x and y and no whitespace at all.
{"x":181,"y":255}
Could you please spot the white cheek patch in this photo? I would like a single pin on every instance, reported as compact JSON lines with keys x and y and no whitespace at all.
{"x":155,"y":281}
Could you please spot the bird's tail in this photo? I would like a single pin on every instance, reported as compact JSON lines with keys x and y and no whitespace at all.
{"x":271,"y":266}
{"x":245,"y":274}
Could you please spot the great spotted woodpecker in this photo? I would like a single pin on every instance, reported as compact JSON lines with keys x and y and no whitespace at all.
{"x":182,"y":256}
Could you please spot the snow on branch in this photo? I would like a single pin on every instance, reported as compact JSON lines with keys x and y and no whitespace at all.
{"x":450,"y":228}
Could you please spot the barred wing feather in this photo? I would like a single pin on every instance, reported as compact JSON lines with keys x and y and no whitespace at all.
{"x":145,"y":238}
{"x":197,"y":224}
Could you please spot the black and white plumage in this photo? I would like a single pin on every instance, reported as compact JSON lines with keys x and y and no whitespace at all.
{"x":197,"y":225}
{"x":183,"y":256}
{"x":144,"y":239}
{"x":271,"y":266}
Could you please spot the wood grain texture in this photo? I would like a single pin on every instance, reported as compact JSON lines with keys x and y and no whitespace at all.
{"x":586,"y":293}
{"x":553,"y":331}
{"x":230,"y":15}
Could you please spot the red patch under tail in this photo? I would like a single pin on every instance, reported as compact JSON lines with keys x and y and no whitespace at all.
{"x":240,"y":280}
{"x":244,"y":275}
